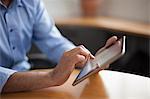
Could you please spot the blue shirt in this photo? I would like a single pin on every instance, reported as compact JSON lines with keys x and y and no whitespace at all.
{"x":23,"y":22}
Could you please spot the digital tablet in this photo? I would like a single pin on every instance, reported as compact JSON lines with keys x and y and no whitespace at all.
{"x":104,"y":57}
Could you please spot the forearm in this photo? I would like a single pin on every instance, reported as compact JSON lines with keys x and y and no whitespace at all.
{"x":30,"y":80}
{"x":24,"y":81}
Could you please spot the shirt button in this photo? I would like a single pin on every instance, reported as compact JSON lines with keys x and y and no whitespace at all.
{"x":13,"y":47}
{"x":11,"y":30}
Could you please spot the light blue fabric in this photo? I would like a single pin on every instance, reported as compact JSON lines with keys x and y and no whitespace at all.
{"x":21,"y":23}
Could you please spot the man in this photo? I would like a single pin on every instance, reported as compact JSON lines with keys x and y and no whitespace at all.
{"x":24,"y":21}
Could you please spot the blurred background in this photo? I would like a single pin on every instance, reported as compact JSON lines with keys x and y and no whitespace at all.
{"x":134,"y":10}
{"x":92,"y":22}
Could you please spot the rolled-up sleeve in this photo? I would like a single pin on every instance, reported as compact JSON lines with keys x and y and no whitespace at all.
{"x":4,"y":75}
{"x":46,"y":35}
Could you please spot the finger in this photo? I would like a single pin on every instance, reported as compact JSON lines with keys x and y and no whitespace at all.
{"x":111,"y":40}
{"x":75,"y":51}
{"x":118,"y":43}
{"x":79,"y":59}
{"x":91,"y":56}
{"x":78,"y":54}
{"x":82,"y":51}
{"x":81,"y":64}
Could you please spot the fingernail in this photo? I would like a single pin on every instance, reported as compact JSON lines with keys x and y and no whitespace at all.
{"x":92,"y":56}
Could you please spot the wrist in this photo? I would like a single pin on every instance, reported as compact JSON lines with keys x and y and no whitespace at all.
{"x":60,"y":75}
{"x":52,"y":79}
{"x":56,"y":77}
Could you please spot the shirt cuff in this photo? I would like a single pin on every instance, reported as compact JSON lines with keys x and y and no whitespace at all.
{"x":4,"y":75}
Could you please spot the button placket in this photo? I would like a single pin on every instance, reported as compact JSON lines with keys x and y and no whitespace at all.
{"x":11,"y":29}
{"x":12,"y":37}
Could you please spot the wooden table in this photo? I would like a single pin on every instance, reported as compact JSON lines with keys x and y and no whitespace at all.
{"x":105,"y":85}
{"x":135,"y":28}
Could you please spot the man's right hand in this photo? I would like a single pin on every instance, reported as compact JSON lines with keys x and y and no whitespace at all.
{"x":70,"y":59}
{"x":32,"y":80}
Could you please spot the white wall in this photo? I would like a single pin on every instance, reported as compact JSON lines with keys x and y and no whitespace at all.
{"x":136,"y":10}
{"x":63,"y":8}
{"x":129,"y":9}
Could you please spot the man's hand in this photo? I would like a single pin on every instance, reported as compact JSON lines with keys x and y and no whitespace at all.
{"x":72,"y":58}
{"x":75,"y":57}
{"x":110,"y":41}
{"x":31,"y":80}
